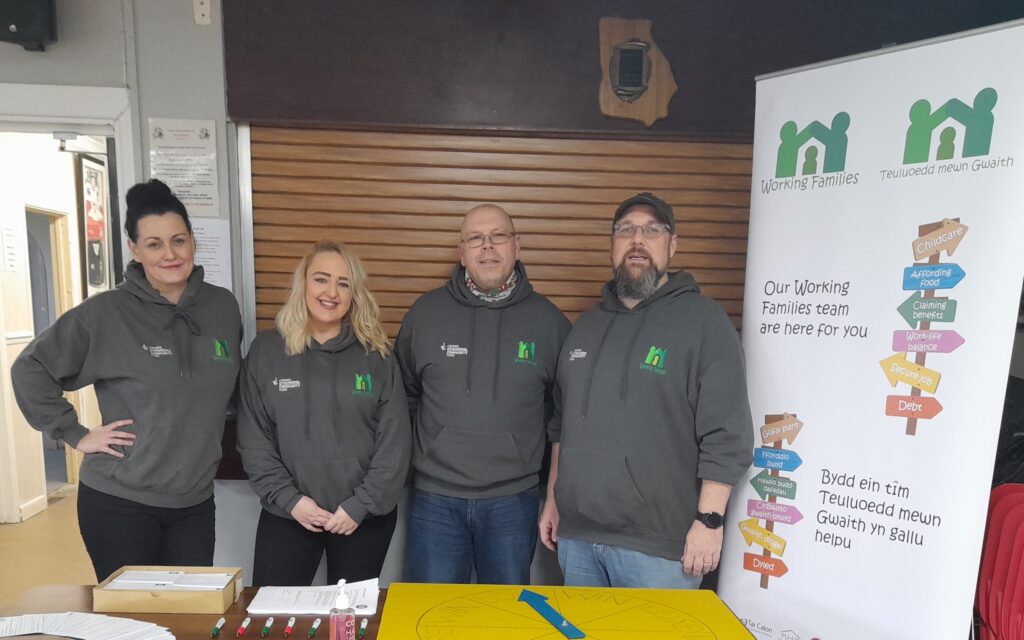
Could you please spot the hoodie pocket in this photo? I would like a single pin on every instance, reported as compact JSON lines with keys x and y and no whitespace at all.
{"x":474,"y":458}
{"x":170,"y":460}
{"x":329,"y":483}
{"x":600,"y":488}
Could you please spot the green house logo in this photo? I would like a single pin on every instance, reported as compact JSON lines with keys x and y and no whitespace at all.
{"x":977,"y":122}
{"x":830,"y":159}
{"x":220,"y":349}
{"x":364,"y":385}
{"x":655,"y":360}
{"x":526,"y":353}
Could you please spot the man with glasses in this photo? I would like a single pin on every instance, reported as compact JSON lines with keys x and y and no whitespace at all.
{"x":479,"y":356}
{"x":655,"y":424}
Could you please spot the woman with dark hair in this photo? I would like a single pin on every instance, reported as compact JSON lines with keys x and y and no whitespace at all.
{"x":324,"y":427}
{"x":162,"y":352}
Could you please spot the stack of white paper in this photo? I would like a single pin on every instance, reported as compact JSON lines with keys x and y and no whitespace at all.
{"x":169,"y":581}
{"x":297,"y":601}
{"x":87,"y":626}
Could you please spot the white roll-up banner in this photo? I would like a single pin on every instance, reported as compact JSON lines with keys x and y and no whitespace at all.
{"x":883,"y":278}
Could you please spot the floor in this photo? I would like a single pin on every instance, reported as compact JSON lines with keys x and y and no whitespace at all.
{"x":45,"y":549}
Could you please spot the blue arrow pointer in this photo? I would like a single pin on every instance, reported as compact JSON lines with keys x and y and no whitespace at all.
{"x":782,"y":459}
{"x":540,"y":604}
{"x":926,"y":277}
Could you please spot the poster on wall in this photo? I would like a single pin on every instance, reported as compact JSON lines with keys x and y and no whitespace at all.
{"x":213,"y":250}
{"x":183,"y":154}
{"x":883,"y":276}
{"x":94,"y":213}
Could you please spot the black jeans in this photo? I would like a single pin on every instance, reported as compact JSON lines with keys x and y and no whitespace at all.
{"x":287,"y":554}
{"x":118,"y":532}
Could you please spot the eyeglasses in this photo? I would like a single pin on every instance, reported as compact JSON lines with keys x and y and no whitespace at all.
{"x":476,"y":241}
{"x":650,"y":230}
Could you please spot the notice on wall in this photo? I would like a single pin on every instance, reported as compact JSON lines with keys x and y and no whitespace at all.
{"x":183,"y":154}
{"x":12,"y":257}
{"x":213,"y":250}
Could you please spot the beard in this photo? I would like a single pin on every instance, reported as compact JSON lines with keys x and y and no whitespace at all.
{"x":639,"y":287}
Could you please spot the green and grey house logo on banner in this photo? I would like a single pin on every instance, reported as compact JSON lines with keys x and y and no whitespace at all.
{"x":526,"y":353}
{"x":790,"y":161}
{"x":364,"y":385}
{"x":977,"y":121}
{"x":655,"y":360}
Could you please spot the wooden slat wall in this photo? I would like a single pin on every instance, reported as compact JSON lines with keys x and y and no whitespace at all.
{"x":398,"y":200}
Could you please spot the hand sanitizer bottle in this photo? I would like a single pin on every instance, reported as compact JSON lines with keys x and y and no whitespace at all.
{"x":343,"y":617}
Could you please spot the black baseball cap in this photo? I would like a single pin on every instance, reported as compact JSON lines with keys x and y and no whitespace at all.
{"x":662,"y":210}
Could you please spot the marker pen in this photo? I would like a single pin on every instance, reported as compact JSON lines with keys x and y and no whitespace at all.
{"x":266,"y":627}
{"x":217,"y":627}
{"x":362,"y":627}
{"x":288,"y":627}
{"x":243,"y":627}
{"x":312,"y":630}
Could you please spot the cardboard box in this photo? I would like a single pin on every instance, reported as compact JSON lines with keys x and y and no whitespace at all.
{"x":166,"y":601}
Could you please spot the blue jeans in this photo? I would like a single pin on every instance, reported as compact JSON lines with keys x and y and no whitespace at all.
{"x":448,"y":537}
{"x":589,"y":564}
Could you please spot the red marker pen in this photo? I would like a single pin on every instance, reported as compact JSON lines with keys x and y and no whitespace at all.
{"x":288,"y":627}
{"x":242,"y":628}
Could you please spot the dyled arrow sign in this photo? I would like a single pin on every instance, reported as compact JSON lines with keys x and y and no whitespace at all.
{"x":921,"y":407}
{"x":766,"y":485}
{"x":754,"y":533}
{"x":898,"y":369}
{"x":785,"y":429}
{"x":917,"y":309}
{"x":927,"y":341}
{"x":946,"y":238}
{"x":539,"y":603}
{"x":774,"y":567}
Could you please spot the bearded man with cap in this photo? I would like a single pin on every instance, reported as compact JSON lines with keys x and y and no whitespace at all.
{"x":653,"y":426}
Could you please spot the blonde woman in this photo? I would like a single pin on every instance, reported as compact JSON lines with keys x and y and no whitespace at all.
{"x":324,"y":427}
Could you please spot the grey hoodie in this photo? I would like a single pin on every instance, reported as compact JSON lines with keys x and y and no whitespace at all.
{"x":330,"y":423}
{"x":654,"y":400}
{"x":480,"y":380}
{"x":171,"y":368}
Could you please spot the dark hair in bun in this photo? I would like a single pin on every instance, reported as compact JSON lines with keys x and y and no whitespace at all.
{"x":149,"y":199}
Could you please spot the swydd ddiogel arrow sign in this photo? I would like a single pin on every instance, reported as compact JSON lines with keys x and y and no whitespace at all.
{"x":539,"y":603}
{"x":765,"y":484}
{"x":753,"y":533}
{"x":917,"y":309}
{"x":927,"y":277}
{"x":781,"y":459}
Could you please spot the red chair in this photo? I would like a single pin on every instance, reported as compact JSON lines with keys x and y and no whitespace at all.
{"x":1008,"y":556}
{"x":1003,"y":500}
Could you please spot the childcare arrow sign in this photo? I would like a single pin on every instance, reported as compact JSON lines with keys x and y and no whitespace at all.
{"x":783,"y":459}
{"x":946,"y":238}
{"x":898,"y":369}
{"x":785,"y":429}
{"x":773,"y":567}
{"x":928,"y":277}
{"x":921,"y":407}
{"x":927,"y":341}
{"x":539,"y":603}
{"x":765,"y":484}
{"x":754,"y":533}
{"x":774,"y":511}
{"x":917,"y":309}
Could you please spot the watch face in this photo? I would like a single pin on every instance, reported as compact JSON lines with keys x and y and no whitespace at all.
{"x":712,"y":520}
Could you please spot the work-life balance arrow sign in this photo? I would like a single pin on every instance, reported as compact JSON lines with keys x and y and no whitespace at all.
{"x":917,"y":309}
{"x":773,"y":567}
{"x":946,"y":238}
{"x":785,"y":429}
{"x":898,"y":369}
{"x":755,"y":533}
{"x":927,"y":277}
{"x":765,"y":484}
{"x":927,"y":341}
{"x":782,"y":459}
{"x":921,"y":407}
{"x":774,"y":511}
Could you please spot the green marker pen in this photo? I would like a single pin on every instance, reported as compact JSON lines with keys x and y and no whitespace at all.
{"x":266,"y":627}
{"x":217,"y":627}
{"x":312,"y":630}
{"x":362,"y":627}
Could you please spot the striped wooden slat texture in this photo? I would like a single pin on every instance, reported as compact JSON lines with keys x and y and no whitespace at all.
{"x":398,"y":200}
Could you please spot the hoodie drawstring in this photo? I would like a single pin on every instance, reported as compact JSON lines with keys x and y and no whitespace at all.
{"x":182,"y":341}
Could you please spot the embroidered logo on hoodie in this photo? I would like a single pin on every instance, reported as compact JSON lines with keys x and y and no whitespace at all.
{"x":452,"y":350}
{"x":285,"y":384}
{"x":527,"y":353}
{"x":364,"y":385}
{"x":220,"y":350}
{"x":655,"y":360}
{"x":577,"y":354}
{"x":157,"y":351}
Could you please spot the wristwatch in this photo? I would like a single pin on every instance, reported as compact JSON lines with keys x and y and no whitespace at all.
{"x":711,"y":519}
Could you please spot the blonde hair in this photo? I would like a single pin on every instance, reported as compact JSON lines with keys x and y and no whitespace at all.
{"x":293,"y":319}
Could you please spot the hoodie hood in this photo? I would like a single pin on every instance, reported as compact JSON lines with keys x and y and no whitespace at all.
{"x":177,"y":319}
